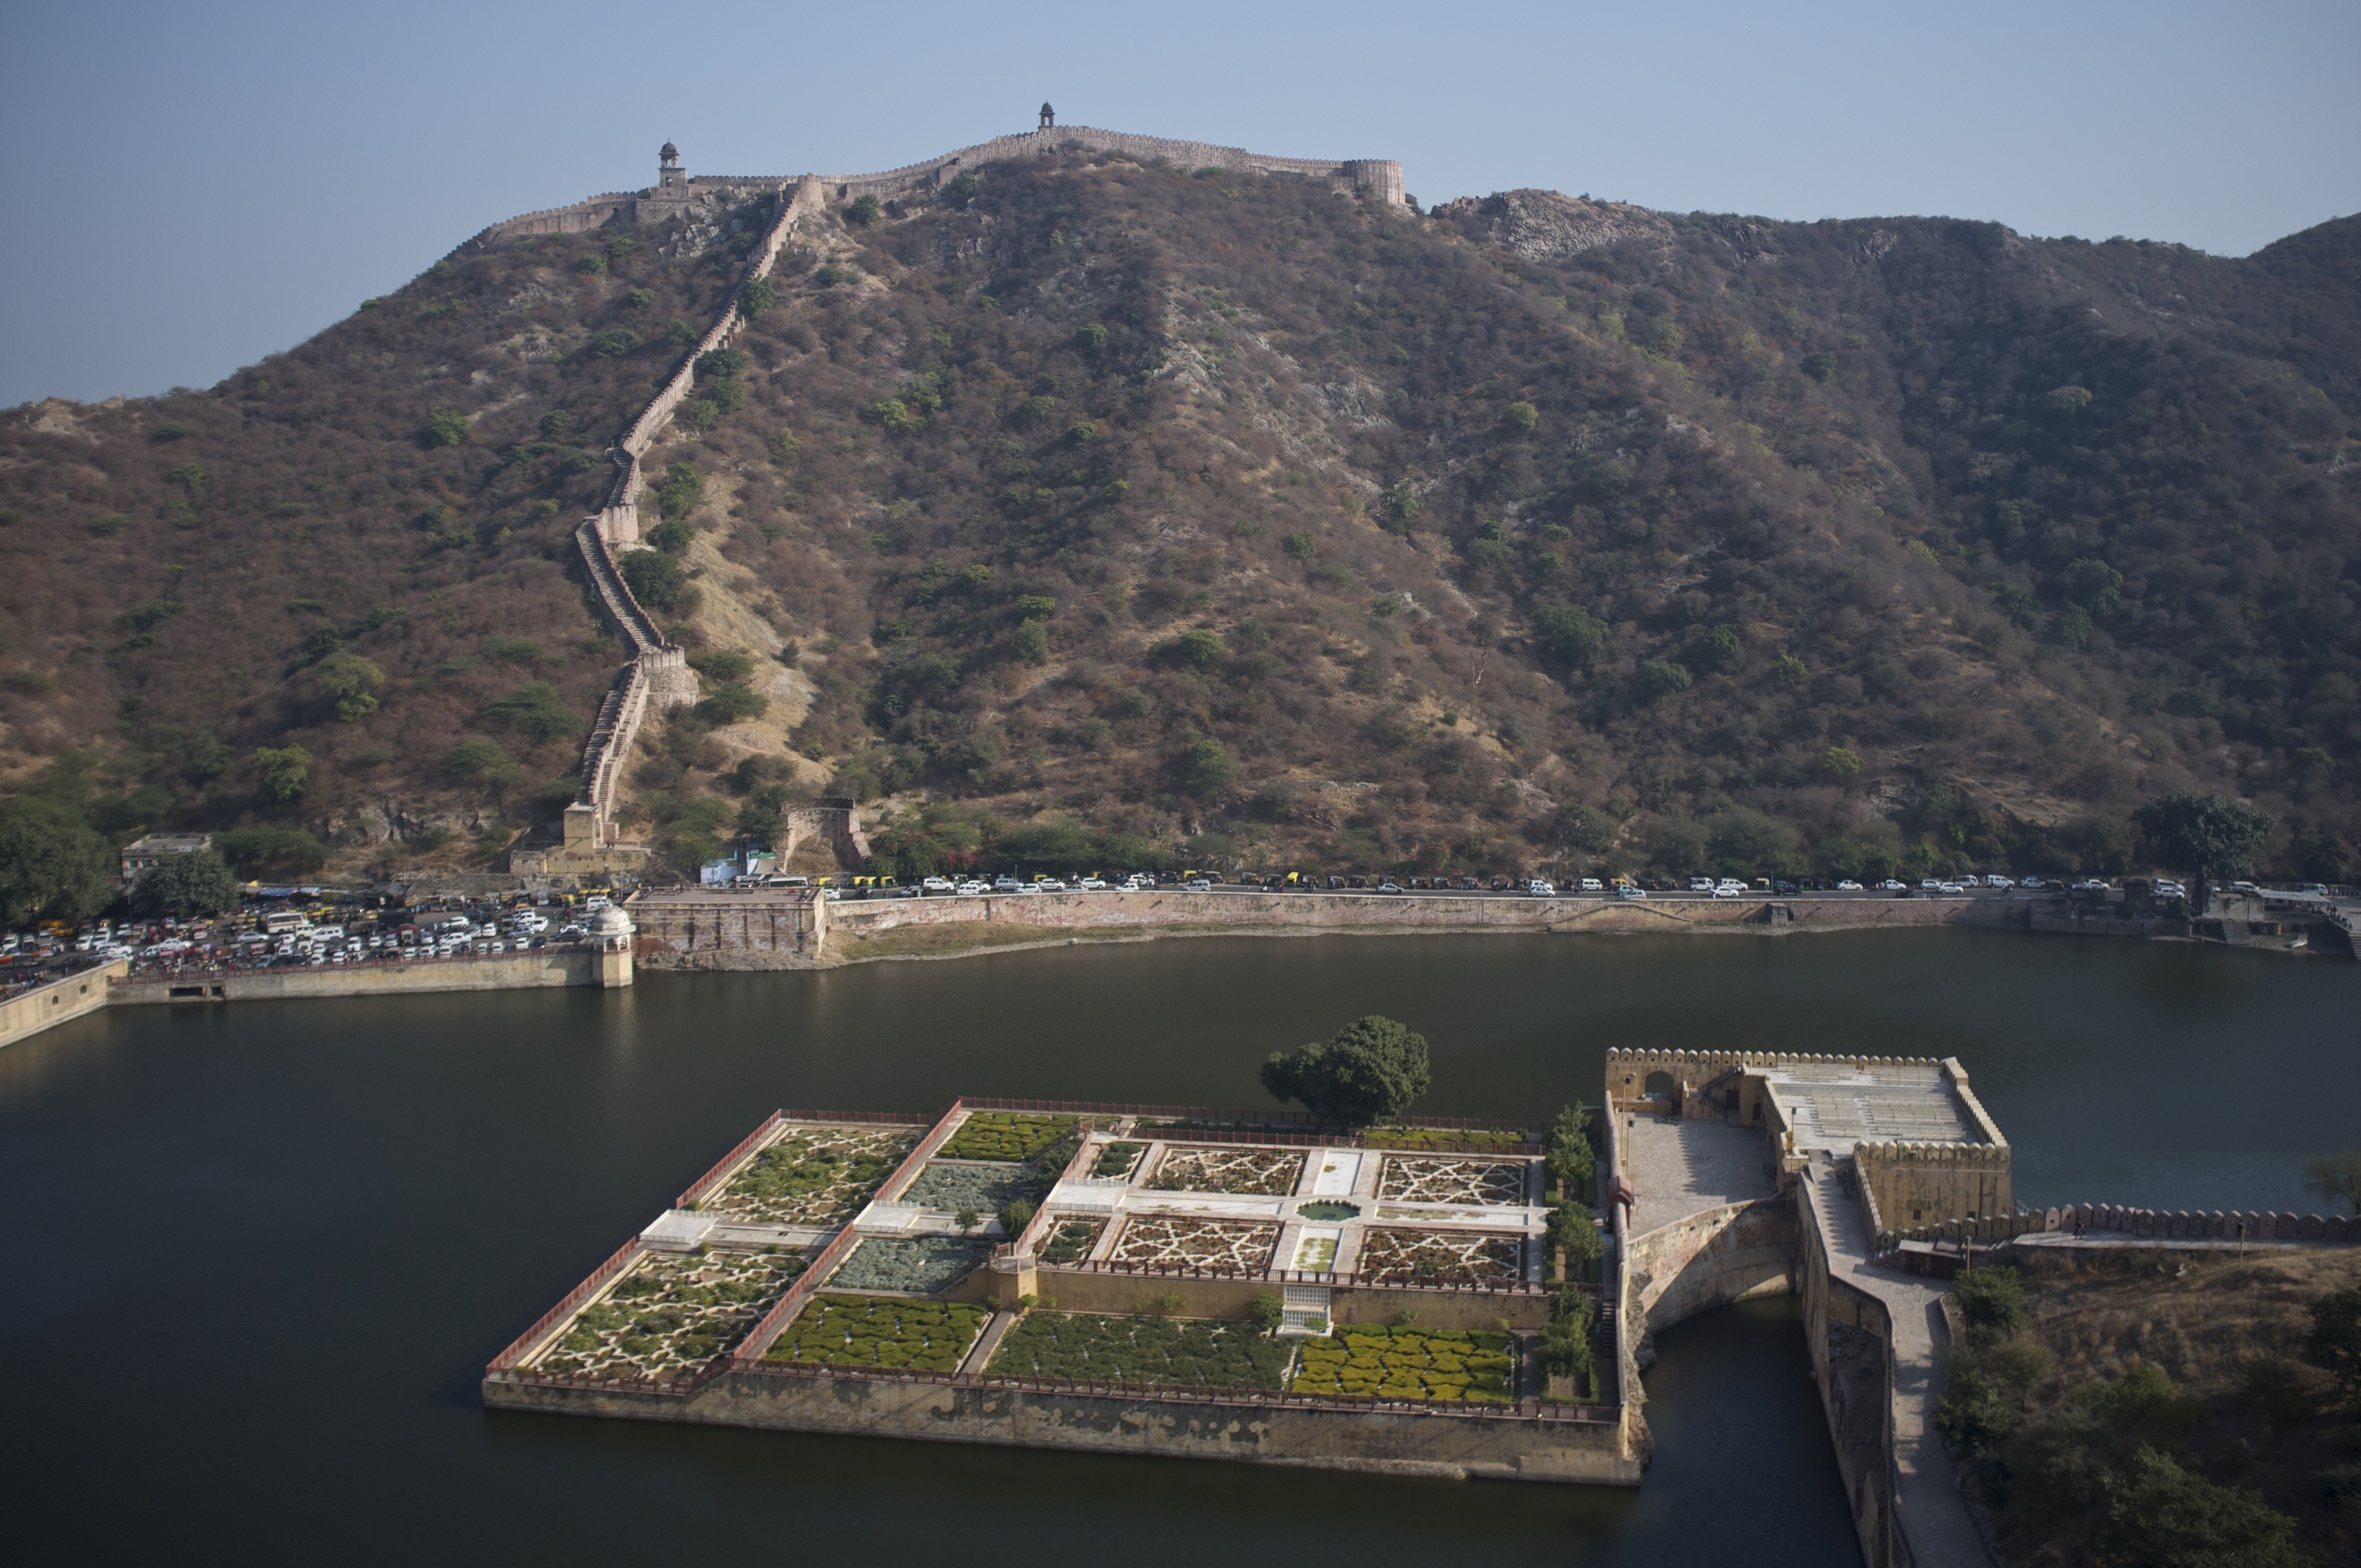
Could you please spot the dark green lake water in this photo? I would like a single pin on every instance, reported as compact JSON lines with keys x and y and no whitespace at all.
{"x":259,"y":1255}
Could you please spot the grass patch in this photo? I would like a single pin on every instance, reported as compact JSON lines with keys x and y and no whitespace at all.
{"x":1473,"y":1365}
{"x":984,"y":1188}
{"x":1171,"y":1351}
{"x":874,"y":1332}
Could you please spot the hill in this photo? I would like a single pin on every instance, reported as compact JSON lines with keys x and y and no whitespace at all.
{"x":1244,"y":522}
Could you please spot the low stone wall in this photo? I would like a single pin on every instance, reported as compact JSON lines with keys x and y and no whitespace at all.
{"x":1097,"y":1290}
{"x":1449,"y":1446}
{"x":45,"y":1006}
{"x":1714,"y":1258}
{"x":506,"y":972}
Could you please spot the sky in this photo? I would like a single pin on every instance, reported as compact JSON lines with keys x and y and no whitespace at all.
{"x":201,"y":184}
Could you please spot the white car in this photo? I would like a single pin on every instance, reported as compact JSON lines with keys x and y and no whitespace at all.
{"x":1700,"y":885}
{"x":971,"y":888}
{"x":832,"y":895}
{"x":1631,"y":889}
{"x":1847,"y":886}
{"x":1949,"y":887}
{"x":1049,"y":884}
{"x":1199,"y":885}
{"x":1729,"y":890}
{"x":1592,"y":885}
{"x":2000,"y":881}
{"x":1890,"y":885}
{"x":1540,"y":889}
{"x":1730,"y":884}
{"x":1091,"y":885}
{"x":939,"y":884}
{"x":2033,"y":884}
{"x":1005,"y":884}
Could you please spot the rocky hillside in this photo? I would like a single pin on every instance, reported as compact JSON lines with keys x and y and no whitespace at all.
{"x":1231,"y":520}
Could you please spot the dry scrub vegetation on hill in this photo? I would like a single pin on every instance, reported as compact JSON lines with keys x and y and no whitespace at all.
{"x":1096,"y":510}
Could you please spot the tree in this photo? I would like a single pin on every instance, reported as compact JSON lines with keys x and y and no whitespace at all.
{"x":757,"y":296}
{"x":1573,"y":635}
{"x":682,"y":491}
{"x":967,"y":1220}
{"x":2335,"y":1339}
{"x":51,"y":863}
{"x":199,"y":883}
{"x":1015,"y":1215}
{"x":671,"y":536}
{"x":2159,"y":1513}
{"x":1206,"y":769}
{"x":2336,"y":1177}
{"x":1267,"y":1310}
{"x":1585,"y":827}
{"x":1371,"y":1068}
{"x":2204,"y":835}
{"x":446,"y":427}
{"x":654,"y":578}
{"x":1660,"y":678}
{"x":280,"y":773}
{"x":1990,"y":1300}
{"x":350,"y":682}
{"x":864,"y":211}
{"x":1570,"y":1157}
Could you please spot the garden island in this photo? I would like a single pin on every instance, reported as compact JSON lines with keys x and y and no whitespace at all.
{"x":1161,"y":1280}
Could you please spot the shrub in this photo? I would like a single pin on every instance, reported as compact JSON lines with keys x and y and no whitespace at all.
{"x":280,"y":773}
{"x":865,"y":210}
{"x":727,"y":704}
{"x":351,"y":682}
{"x":1572,"y":635}
{"x":758,"y":296}
{"x":673,"y":536}
{"x":537,"y":710}
{"x":1660,"y":678}
{"x":1014,"y":1216}
{"x":274,"y":851}
{"x":616,"y":341}
{"x":1990,"y":1300}
{"x":655,"y":579}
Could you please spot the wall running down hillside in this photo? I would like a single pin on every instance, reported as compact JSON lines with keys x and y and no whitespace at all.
{"x":659,"y":672}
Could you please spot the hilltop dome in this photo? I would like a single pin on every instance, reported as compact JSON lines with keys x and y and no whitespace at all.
{"x":669,"y":152}
{"x":610,"y":924}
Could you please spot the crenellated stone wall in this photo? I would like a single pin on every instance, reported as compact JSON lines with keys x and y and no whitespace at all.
{"x":1911,"y":1183}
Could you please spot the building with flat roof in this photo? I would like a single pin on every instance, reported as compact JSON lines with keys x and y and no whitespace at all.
{"x":141,"y":854}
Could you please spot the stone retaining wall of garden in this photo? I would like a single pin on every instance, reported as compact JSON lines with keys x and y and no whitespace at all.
{"x":1452,"y":1444}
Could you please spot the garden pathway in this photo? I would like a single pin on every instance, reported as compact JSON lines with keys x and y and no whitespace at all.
{"x":988,"y":1342}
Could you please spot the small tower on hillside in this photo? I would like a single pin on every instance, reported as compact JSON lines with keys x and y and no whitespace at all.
{"x":669,"y":173}
{"x":1048,"y":116}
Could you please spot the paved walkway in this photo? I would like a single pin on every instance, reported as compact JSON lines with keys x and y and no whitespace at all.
{"x":1927,"y":1487}
{"x":1681,"y":1168}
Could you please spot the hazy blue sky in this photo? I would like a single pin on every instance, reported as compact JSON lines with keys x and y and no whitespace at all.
{"x":199,"y":184}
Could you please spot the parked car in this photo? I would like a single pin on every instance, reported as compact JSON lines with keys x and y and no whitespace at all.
{"x":1049,"y":884}
{"x":1199,"y":885}
{"x":1537,"y":888}
{"x":1592,"y":885}
{"x":1091,"y":885}
{"x":1700,"y":885}
{"x":1390,"y":885}
{"x":936,"y":885}
{"x":1784,"y":889}
{"x":971,"y":888}
{"x":1631,"y":889}
{"x":1848,"y":886}
{"x":1005,"y":884}
{"x":1891,"y":885}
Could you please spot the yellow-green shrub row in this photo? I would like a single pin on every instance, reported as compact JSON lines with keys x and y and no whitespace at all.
{"x":1408,"y":1364}
{"x":1000,"y":1134}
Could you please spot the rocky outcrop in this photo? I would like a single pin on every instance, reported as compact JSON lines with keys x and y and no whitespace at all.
{"x":1544,"y":227}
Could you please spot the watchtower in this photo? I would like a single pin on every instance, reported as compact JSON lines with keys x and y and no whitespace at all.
{"x":669,"y":173}
{"x":1049,"y":118}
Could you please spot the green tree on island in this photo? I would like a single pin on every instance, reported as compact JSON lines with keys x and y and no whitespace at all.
{"x":2204,"y":835}
{"x":1373,"y":1070}
{"x":199,"y":883}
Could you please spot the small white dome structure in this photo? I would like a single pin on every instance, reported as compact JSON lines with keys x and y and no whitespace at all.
{"x":611,"y":927}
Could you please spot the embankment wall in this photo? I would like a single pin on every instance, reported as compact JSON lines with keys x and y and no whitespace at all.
{"x":745,"y":931}
{"x":519,"y":971}
{"x":46,"y":1006}
{"x":1452,"y":1446}
{"x":1173,"y":906}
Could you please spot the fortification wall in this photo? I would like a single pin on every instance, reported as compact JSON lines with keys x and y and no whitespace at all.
{"x":592,"y":212}
{"x":1914,"y":1183}
{"x":46,"y":1006}
{"x":837,"y":826}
